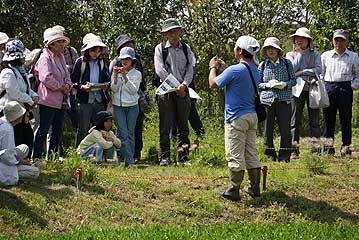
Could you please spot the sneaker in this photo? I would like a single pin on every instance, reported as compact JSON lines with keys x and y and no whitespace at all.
{"x":184,"y":163}
{"x":346,"y":151}
{"x":328,"y":147}
{"x":164,"y":162}
{"x":294,"y":155}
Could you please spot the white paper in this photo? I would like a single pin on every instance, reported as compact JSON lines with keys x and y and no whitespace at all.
{"x":297,"y":89}
{"x":193,"y":94}
{"x":97,"y":86}
{"x":170,"y":84}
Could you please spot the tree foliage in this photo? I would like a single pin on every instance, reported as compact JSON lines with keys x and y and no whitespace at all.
{"x":210,"y":26}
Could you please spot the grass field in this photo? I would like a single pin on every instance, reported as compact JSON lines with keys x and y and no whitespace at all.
{"x":310,"y":198}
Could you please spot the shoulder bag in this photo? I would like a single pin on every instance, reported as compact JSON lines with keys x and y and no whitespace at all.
{"x":260,"y":109}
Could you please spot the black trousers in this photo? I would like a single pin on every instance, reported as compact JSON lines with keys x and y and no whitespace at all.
{"x":341,"y":99}
{"x":138,"y":135}
{"x":172,"y":106}
{"x":24,"y":135}
{"x":282,"y":111}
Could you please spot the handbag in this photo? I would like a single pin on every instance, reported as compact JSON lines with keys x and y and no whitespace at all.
{"x":260,"y":109}
{"x":318,"y":96}
{"x":145,"y":101}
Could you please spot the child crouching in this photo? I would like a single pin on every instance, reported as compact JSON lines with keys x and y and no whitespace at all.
{"x":101,"y":142}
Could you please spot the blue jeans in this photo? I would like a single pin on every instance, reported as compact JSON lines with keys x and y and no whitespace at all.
{"x":125,"y":118}
{"x":49,"y":117}
{"x":96,"y":149}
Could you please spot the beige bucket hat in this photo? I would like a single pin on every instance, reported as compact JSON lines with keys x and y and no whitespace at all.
{"x":54,"y":34}
{"x":91,"y":40}
{"x":271,"y":42}
{"x":301,"y":32}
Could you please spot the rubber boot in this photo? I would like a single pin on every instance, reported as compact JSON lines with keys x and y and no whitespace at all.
{"x":254,"y":176}
{"x":232,"y":193}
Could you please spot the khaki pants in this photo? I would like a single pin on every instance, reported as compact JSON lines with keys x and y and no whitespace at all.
{"x":240,"y":142}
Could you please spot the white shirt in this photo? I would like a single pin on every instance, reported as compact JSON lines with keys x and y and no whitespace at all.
{"x":125,"y":94}
{"x":342,"y":68}
{"x":12,"y":81}
{"x":8,"y":169}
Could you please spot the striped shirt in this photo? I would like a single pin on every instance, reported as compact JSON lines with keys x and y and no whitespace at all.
{"x":280,"y":72}
{"x":343,"y":68}
{"x":177,"y":62}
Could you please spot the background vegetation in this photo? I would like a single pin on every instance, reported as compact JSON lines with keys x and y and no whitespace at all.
{"x":311,"y":198}
{"x":210,"y":26}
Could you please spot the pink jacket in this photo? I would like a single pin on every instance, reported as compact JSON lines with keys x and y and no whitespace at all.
{"x":50,"y":79}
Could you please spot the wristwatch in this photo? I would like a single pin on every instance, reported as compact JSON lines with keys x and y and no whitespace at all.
{"x":211,"y":67}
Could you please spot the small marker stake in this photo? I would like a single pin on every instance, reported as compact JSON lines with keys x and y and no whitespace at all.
{"x":78,"y":179}
{"x":264,"y":174}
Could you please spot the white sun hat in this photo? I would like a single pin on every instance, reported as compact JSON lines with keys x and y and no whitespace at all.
{"x":54,"y":34}
{"x":91,"y":40}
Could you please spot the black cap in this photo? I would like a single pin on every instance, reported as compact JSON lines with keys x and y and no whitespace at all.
{"x":102,"y":116}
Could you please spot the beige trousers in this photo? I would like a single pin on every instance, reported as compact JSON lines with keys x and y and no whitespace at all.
{"x":240,"y":143}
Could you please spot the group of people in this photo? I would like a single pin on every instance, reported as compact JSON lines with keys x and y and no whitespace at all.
{"x":53,"y":80}
{"x":284,"y":85}
{"x":60,"y":81}
{"x":85,"y":86}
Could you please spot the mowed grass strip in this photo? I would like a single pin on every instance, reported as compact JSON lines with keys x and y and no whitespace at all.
{"x":228,"y":231}
{"x":313,"y":192}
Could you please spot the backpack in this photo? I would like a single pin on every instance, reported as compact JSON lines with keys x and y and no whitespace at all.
{"x":3,"y":93}
{"x":102,"y":66}
{"x":286,"y":65}
{"x":83,"y":65}
{"x":156,"y":80}
{"x":33,"y":79}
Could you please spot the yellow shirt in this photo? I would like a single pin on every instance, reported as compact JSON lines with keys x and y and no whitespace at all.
{"x":101,"y":137}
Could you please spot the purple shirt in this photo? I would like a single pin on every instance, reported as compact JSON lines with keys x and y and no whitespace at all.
{"x":51,"y":80}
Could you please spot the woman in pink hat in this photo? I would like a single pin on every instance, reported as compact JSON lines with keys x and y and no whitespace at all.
{"x":307,"y":65}
{"x":55,"y":85}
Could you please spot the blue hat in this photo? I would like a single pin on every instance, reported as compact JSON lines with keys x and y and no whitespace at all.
{"x":127,"y":52}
